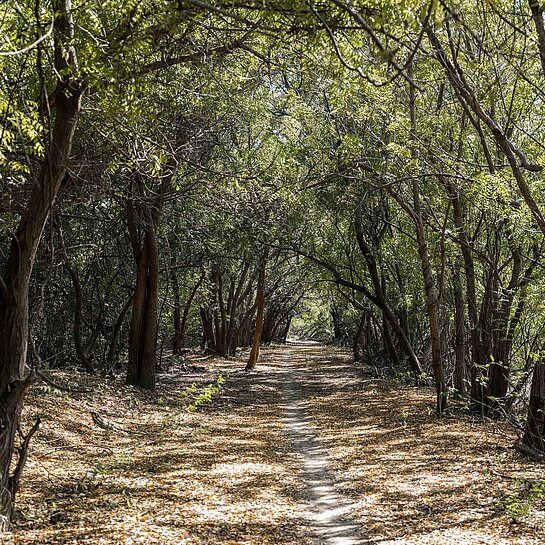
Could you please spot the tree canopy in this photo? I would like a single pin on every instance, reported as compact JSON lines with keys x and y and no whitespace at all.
{"x":183,"y":174}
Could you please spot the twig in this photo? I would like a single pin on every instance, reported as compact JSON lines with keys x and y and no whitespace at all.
{"x":105,"y":425}
{"x":23,"y":451}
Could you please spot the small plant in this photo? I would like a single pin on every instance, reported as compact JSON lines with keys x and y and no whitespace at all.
{"x":515,"y":507}
{"x":519,"y":504}
{"x":403,"y":376}
{"x":192,"y":398}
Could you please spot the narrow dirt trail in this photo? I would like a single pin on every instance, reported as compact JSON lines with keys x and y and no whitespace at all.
{"x":331,"y":511}
{"x":307,"y":450}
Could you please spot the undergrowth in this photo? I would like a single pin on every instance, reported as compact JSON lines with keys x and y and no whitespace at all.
{"x":193,"y":397}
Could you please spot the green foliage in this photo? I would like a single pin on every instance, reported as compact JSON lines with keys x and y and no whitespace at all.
{"x":193,"y":398}
{"x":518,"y":504}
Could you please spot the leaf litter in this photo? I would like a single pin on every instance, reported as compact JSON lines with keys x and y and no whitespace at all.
{"x":228,"y":473}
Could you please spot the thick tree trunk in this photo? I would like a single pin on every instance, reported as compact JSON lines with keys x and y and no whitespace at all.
{"x":534,"y":433}
{"x":149,"y":351}
{"x":11,"y":403}
{"x":14,"y":285}
{"x":137,"y":323}
{"x":143,"y":331}
{"x":143,"y":328}
{"x":208,"y":337}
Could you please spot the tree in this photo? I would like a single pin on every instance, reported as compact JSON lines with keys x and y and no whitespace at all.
{"x":24,"y":244}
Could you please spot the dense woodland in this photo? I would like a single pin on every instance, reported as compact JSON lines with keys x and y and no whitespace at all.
{"x":184,"y":174}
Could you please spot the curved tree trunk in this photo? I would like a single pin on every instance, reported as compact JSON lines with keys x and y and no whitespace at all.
{"x":78,"y":294}
{"x":180,"y":333}
{"x":389,"y":315}
{"x":14,"y":286}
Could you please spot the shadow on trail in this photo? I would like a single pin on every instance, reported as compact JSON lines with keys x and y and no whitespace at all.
{"x":306,"y":450}
{"x":404,"y":470}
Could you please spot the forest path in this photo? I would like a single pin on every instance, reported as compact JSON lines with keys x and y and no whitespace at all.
{"x":331,"y":511}
{"x":377,"y":466}
{"x":309,"y":449}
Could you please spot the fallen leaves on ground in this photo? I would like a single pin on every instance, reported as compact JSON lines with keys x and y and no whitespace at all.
{"x":414,"y":478}
{"x":228,"y":473}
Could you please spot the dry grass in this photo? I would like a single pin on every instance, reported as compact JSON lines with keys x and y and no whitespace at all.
{"x":228,"y":474}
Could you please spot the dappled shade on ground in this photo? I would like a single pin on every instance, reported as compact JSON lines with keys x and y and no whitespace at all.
{"x":229,"y":473}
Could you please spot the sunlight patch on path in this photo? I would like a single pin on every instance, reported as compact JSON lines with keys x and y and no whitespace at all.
{"x":332,"y":519}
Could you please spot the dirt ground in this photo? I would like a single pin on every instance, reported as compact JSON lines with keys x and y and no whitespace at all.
{"x":187,"y":465}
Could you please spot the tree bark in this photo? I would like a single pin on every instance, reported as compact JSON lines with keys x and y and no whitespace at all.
{"x":260,"y":302}
{"x":180,"y":333}
{"x":14,"y":286}
{"x":534,"y":433}
{"x":177,"y":339}
{"x":286,"y":329}
{"x":143,"y":327}
{"x":471,"y":291}
{"x":431,"y":305}
{"x":78,"y":295}
{"x":460,"y":368}
{"x":115,"y":334}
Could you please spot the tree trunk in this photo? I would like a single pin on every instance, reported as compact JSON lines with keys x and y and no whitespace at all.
{"x":142,"y":363}
{"x":392,"y":320}
{"x":115,"y":334}
{"x":459,"y":336}
{"x":357,"y":341}
{"x":534,"y":433}
{"x":338,"y":325}
{"x":14,"y":285}
{"x":471,"y":291}
{"x":180,"y":333}
{"x":143,"y":328}
{"x":177,"y":339}
{"x":429,"y":285}
{"x":78,"y":295}
{"x":431,"y":306}
{"x":260,"y":302}
{"x":286,"y":329}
